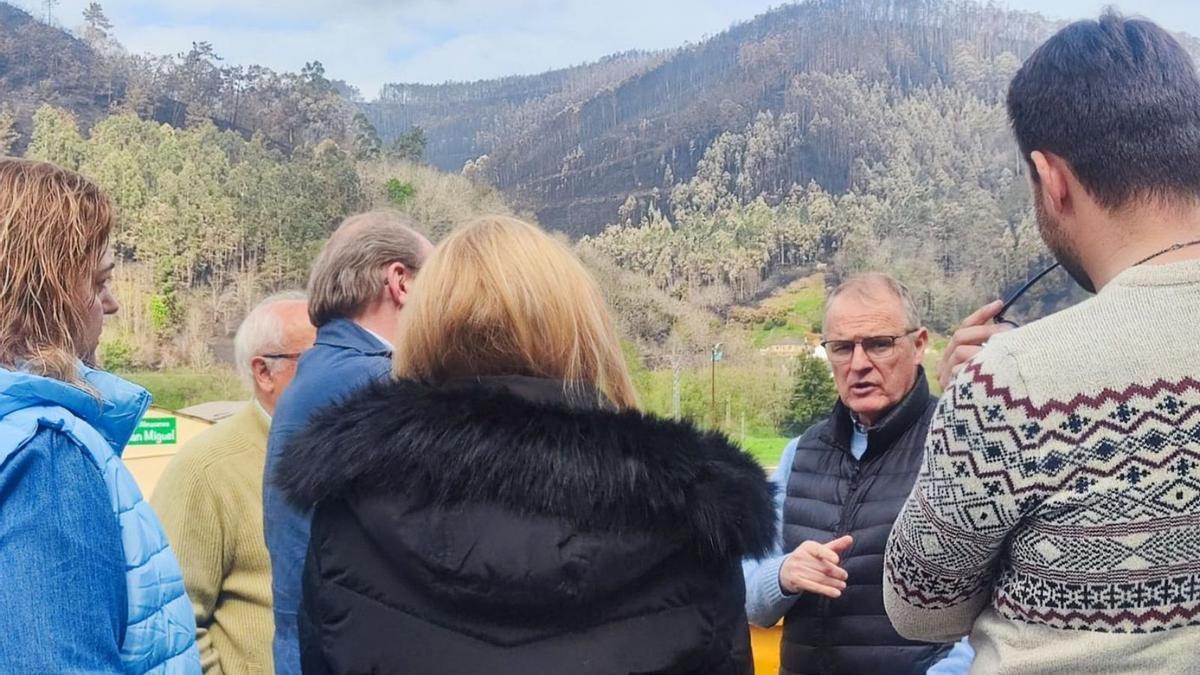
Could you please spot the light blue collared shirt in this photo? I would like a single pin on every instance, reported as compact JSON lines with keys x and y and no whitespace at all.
{"x":858,"y":442}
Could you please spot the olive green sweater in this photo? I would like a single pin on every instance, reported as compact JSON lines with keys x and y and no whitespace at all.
{"x":210,"y":502}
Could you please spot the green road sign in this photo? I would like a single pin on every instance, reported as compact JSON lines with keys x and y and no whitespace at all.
{"x":155,"y":431}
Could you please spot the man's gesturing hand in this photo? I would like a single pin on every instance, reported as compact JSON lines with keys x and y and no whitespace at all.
{"x":815,"y":568}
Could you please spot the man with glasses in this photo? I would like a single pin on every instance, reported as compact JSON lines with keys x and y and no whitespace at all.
{"x":840,"y":487}
{"x":1057,"y":515}
{"x":210,"y":497}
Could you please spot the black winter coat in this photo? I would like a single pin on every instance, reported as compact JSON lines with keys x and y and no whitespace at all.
{"x":504,"y":527}
{"x":830,"y":494}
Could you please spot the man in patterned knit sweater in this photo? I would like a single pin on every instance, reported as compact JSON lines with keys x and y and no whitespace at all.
{"x":1057,"y":517}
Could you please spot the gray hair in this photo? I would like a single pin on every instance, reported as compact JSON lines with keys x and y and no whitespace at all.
{"x":346,"y":275}
{"x":261,"y":332}
{"x":868,"y":285}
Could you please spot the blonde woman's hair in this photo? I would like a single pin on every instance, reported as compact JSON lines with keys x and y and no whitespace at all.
{"x":501,"y":297}
{"x":54,"y":227}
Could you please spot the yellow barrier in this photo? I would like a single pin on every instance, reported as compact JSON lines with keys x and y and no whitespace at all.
{"x":765,"y":643}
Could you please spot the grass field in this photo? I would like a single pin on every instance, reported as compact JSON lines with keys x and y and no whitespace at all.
{"x":179,"y":388}
{"x":765,"y":449}
{"x":804,"y":302}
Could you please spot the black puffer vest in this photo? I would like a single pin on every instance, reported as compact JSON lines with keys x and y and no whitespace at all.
{"x":505,"y":527}
{"x":830,"y":494}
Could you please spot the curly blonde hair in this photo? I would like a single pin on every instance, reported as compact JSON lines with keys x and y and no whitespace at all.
{"x":54,"y":228}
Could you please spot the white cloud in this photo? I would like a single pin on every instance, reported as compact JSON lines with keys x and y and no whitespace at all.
{"x":1176,"y":15}
{"x":371,"y":42}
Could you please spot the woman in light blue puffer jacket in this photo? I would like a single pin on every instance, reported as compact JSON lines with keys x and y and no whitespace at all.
{"x":90,"y":584}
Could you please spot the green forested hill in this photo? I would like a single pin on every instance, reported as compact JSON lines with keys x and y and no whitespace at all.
{"x":827,"y":136}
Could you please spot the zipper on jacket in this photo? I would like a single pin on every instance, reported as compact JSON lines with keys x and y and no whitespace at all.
{"x":851,"y":492}
{"x":843,"y":522}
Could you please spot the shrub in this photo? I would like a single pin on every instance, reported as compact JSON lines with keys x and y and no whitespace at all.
{"x":116,"y":354}
{"x":399,"y":193}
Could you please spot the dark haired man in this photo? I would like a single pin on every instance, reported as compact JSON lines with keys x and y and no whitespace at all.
{"x":1057,"y":518}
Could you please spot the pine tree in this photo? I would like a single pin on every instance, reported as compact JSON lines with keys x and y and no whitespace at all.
{"x":813,"y":394}
{"x":8,"y":130}
{"x":366,"y":138}
{"x":56,"y":138}
{"x":409,"y":146}
{"x":96,"y":26}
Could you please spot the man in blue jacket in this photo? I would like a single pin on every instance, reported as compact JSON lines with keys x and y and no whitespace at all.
{"x":90,"y":584}
{"x":358,"y":286}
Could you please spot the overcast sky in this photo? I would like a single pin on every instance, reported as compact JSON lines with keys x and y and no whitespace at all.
{"x":371,"y":42}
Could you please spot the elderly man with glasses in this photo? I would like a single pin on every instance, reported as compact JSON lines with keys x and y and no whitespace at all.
{"x":840,"y":488}
{"x":210,"y":496}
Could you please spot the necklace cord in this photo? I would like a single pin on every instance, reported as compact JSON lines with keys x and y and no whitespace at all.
{"x":1170,"y":249}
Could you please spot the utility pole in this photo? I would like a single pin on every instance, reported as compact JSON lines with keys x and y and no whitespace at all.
{"x":716,"y":356}
{"x":675,"y":392}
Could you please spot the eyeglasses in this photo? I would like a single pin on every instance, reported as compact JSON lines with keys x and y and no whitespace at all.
{"x":875,"y":347}
{"x":294,"y":355}
{"x":1000,"y":318}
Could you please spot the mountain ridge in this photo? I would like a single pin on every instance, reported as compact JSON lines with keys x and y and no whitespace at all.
{"x":575,"y":163}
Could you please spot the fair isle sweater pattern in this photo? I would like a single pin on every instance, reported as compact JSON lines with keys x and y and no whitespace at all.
{"x":1090,"y":507}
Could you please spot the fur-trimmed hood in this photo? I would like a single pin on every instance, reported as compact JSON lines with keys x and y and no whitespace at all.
{"x":530,"y":447}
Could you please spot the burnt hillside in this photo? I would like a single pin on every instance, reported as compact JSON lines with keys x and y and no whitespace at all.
{"x":574,"y":144}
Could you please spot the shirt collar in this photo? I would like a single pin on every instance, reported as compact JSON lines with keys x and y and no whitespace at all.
{"x":382,"y":340}
{"x":262,"y":411}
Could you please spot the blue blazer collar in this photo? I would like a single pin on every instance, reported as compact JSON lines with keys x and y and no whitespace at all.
{"x":346,"y":334}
